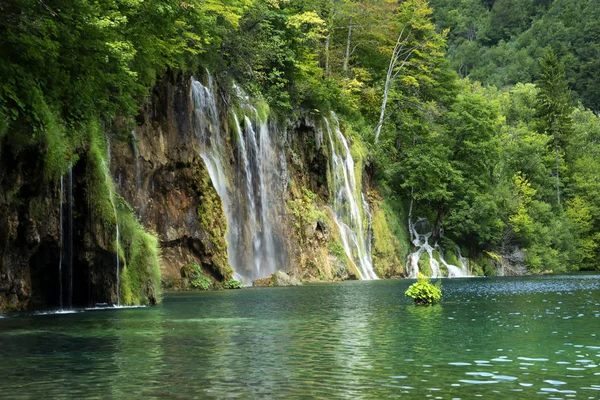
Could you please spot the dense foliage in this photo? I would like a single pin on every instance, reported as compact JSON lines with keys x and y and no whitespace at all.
{"x":500,"y":41}
{"x":424,"y":292}
{"x":500,"y":156}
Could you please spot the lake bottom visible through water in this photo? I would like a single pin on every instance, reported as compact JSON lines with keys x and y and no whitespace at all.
{"x":498,"y":338}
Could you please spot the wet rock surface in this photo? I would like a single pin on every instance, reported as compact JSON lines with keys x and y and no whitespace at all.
{"x":279,"y":278}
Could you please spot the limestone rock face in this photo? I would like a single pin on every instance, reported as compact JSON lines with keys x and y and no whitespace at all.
{"x":158,"y":170}
{"x":32,"y":253}
{"x":279,"y":278}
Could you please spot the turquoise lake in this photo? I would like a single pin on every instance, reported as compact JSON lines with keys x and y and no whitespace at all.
{"x":493,"y":338}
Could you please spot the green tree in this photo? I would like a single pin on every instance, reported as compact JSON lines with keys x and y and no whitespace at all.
{"x":554,"y":109}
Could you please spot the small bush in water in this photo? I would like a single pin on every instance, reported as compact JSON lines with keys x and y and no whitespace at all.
{"x":232,"y":284}
{"x":203,"y":283}
{"x":423,"y":292}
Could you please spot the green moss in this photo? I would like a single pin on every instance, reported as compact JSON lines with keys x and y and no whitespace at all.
{"x":452,"y":259}
{"x":138,"y":250}
{"x":100,"y":187}
{"x":211,"y":218}
{"x":424,"y":264}
{"x":61,"y":144}
{"x":140,"y":275}
{"x":263,"y":110}
{"x":305,"y":212}
{"x":337,"y":250}
{"x":202,"y":283}
{"x":59,"y":149}
{"x":192,"y":276}
{"x":232,"y":284}
{"x":386,"y":257}
{"x":396,"y":219}
{"x":482,"y":265}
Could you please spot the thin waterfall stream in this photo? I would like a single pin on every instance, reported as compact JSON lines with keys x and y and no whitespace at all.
{"x":60,"y":255}
{"x":70,"y":235}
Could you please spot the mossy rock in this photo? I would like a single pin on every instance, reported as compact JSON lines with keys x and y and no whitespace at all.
{"x":452,"y":259}
{"x":424,"y":265}
{"x":232,"y":284}
{"x":389,"y":249}
{"x":212,"y":220}
{"x":279,"y":278}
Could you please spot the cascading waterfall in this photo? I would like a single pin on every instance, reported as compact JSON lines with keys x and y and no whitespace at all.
{"x":422,"y":232}
{"x":251,"y":189}
{"x":348,"y":212}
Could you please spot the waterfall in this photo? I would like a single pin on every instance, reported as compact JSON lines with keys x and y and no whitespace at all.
{"x":70,"y":234}
{"x":348,"y":213}
{"x":463,"y":263}
{"x":118,"y":267}
{"x":250,"y":185}
{"x":60,"y":259}
{"x":421,"y":232}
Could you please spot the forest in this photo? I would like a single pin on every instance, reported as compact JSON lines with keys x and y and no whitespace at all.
{"x":479,"y":115}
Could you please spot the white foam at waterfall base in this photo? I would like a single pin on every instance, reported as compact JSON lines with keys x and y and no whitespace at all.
{"x":347,"y":209}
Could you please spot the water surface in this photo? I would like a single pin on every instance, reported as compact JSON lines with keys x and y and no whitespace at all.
{"x":491,"y":338}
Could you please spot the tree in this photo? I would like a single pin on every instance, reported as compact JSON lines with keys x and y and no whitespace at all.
{"x":416,"y":42}
{"x":554,"y":108}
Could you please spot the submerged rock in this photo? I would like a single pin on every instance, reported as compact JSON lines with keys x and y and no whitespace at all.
{"x":279,"y":278}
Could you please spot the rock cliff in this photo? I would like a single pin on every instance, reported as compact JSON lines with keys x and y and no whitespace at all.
{"x":59,"y":245}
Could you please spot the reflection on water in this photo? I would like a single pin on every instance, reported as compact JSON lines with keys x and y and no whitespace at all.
{"x":490,"y":338}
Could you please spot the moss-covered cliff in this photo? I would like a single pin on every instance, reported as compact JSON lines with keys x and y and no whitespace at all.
{"x":59,"y":242}
{"x":149,"y":179}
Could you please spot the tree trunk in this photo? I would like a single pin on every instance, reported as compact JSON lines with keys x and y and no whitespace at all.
{"x":348,"y":41}
{"x":390,"y":76}
{"x":386,"y":92}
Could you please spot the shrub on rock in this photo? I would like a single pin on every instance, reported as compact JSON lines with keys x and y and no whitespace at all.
{"x":423,"y":292}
